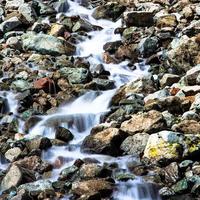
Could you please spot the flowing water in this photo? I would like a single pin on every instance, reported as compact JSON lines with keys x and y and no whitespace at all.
{"x":85,"y":112}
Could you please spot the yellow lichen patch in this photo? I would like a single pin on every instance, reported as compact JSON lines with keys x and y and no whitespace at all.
{"x":157,"y":149}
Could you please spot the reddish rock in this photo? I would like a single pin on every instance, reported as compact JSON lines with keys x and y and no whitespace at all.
{"x":44,"y":83}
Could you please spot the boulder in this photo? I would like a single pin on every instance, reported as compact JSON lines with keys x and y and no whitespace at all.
{"x":101,"y":186}
{"x":15,"y":176}
{"x":135,"y":145}
{"x":163,"y":147}
{"x":138,"y":18}
{"x":149,"y":122}
{"x":13,"y":154}
{"x":38,"y":143}
{"x":37,"y":187}
{"x":75,"y":75}
{"x":177,"y":55}
{"x":104,"y":142}
{"x":110,"y":11}
{"x":169,"y":79}
{"x":63,"y":134}
{"x":187,"y":127}
{"x":46,"y":44}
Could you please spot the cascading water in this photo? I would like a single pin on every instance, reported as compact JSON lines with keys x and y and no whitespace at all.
{"x":85,"y":112}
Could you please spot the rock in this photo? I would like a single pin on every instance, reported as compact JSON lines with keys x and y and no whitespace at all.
{"x":13,"y":42}
{"x":27,"y":12}
{"x":82,"y":25}
{"x":148,"y":46}
{"x":13,"y":4}
{"x":135,"y":145}
{"x":37,"y":187}
{"x":163,"y":146}
{"x":10,"y":24}
{"x":196,"y":104}
{"x":169,"y":79}
{"x":63,"y":134}
{"x":57,"y":30}
{"x":166,"y":21}
{"x":42,"y":8}
{"x":124,"y":177}
{"x":172,"y":104}
{"x":16,"y":176}
{"x":22,"y":195}
{"x":34,"y":163}
{"x":100,"y":186}
{"x":62,"y":6}
{"x":185,"y":164}
{"x":138,"y":18}
{"x":102,"y":84}
{"x":171,"y":173}
{"x":13,"y":154}
{"x":75,"y":75}
{"x":181,"y":186}
{"x":166,"y":192}
{"x":180,"y":48}
{"x":191,"y":90}
{"x":98,"y":70}
{"x":104,"y":142}
{"x":160,"y":94}
{"x":93,"y":170}
{"x":46,"y":44}
{"x":110,"y":11}
{"x":42,"y":143}
{"x":124,"y":112}
{"x":112,"y":47}
{"x":143,"y":85}
{"x":187,"y":127}
{"x":149,"y":122}
{"x":46,"y":84}
{"x":69,"y":173}
{"x":20,"y":85}
{"x":191,"y":75}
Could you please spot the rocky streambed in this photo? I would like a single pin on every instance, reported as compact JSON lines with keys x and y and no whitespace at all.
{"x":100,"y":99}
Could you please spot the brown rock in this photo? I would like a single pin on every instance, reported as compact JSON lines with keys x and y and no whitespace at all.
{"x":44,"y":83}
{"x":149,"y":122}
{"x":92,"y":186}
{"x":187,"y":127}
{"x":104,"y":142}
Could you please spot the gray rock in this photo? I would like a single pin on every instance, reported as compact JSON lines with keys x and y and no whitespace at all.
{"x":62,"y":6}
{"x":135,"y":145}
{"x":13,"y":4}
{"x":190,"y":115}
{"x":169,"y":79}
{"x":157,"y":95}
{"x":20,"y":85}
{"x":171,"y":173}
{"x":191,"y":75}
{"x":82,"y":25}
{"x":13,"y":154}
{"x":15,"y":176}
{"x":28,"y":12}
{"x":14,"y":43}
{"x":148,"y":46}
{"x":10,"y":24}
{"x":38,"y":143}
{"x":37,"y":187}
{"x":46,"y":44}
{"x":75,"y":75}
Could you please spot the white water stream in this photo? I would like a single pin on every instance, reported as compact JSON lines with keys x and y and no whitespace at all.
{"x":85,"y":112}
